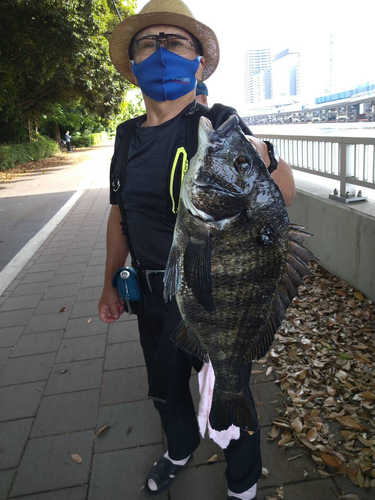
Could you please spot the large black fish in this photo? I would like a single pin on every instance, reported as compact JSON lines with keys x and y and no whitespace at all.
{"x":235,"y":264}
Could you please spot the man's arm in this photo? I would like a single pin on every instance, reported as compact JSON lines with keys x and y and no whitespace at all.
{"x":111,"y":306}
{"x":283,"y":175}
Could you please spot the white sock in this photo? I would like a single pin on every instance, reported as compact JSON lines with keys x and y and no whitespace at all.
{"x":151,"y":483}
{"x":246,"y":495}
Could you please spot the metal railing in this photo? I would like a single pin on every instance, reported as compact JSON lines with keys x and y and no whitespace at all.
{"x":349,"y":160}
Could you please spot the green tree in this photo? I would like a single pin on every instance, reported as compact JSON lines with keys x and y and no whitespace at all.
{"x":56,"y":52}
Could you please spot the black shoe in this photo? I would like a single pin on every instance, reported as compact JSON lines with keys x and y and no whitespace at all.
{"x":163,"y":473}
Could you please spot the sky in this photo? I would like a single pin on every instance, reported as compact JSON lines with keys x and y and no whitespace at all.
{"x":241,"y":25}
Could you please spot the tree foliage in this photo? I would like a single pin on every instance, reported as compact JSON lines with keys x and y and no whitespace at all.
{"x":56,"y":52}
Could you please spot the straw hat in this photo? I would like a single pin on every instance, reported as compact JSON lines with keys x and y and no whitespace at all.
{"x":173,"y":12}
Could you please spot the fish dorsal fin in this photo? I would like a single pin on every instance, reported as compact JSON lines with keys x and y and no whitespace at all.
{"x":197,"y":271}
{"x":296,"y":269}
{"x":187,"y":340}
{"x":172,"y":276}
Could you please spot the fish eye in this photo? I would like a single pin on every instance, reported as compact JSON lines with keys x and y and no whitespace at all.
{"x":241,"y":164}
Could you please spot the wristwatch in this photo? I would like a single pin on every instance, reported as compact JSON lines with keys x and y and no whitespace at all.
{"x":274,"y":156}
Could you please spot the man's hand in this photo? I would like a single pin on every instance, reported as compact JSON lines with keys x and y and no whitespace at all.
{"x":111,"y":306}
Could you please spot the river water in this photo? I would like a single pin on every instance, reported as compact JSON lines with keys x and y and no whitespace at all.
{"x":355,"y":129}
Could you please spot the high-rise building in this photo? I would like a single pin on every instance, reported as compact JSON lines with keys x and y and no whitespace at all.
{"x":284,"y":73}
{"x":258,"y":81}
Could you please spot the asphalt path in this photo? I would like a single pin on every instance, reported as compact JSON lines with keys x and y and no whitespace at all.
{"x":29,"y":202}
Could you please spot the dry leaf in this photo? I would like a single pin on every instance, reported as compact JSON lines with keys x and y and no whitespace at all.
{"x":265,"y":472}
{"x":312,"y":435}
{"x":63,"y":309}
{"x":63,"y":371}
{"x":350,"y":423}
{"x":297,"y":425}
{"x":213,"y":458}
{"x":89,"y":320}
{"x":349,"y":496}
{"x":102,"y":429}
{"x":76,"y":458}
{"x":359,"y":296}
{"x":330,"y":460}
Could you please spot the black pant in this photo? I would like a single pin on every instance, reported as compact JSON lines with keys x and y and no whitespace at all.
{"x":68,"y":145}
{"x":156,"y":321}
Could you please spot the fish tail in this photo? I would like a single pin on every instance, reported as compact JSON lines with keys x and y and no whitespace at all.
{"x":237,"y":409}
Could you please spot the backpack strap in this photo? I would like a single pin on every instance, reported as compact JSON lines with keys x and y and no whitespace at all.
{"x":124,"y":135}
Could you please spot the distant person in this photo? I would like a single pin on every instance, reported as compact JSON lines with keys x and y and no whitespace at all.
{"x":67,"y":140}
{"x":201,"y":93}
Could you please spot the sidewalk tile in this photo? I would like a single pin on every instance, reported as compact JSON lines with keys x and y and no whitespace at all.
{"x":285,"y":472}
{"x":75,"y":259}
{"x":30,"y":289}
{"x":207,"y":481}
{"x":265,"y":396}
{"x":121,"y":386}
{"x":47,"y":266}
{"x":10,"y":335}
{"x":124,"y":355}
{"x":77,"y":376}
{"x":71,"y":268}
{"x":6,"y":478}
{"x":4,"y":355}
{"x":67,"y":279}
{"x":78,"y":251}
{"x":27,"y":369}
{"x":90,"y":281}
{"x":53,"y":257}
{"x":19,"y":303}
{"x":320,"y":489}
{"x":13,"y":436}
{"x":93,"y":293}
{"x":11,"y":318}
{"x":37,"y":277}
{"x":46,"y":322}
{"x":55,"y":250}
{"x":20,"y":401}
{"x":343,"y":483}
{"x":75,"y":411}
{"x":130,"y":425}
{"x":95,"y":270}
{"x":123,"y":473}
{"x":54,"y":292}
{"x":97,"y":261}
{"x":47,"y":464}
{"x":47,"y":306}
{"x":81,"y":348}
{"x":85,"y":309}
{"x":81,"y":244}
{"x":123,"y":332}
{"x":80,"y":327}
{"x":37,"y":343}
{"x":75,"y":493}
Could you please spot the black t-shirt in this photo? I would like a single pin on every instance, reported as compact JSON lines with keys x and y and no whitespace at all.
{"x":145,"y":195}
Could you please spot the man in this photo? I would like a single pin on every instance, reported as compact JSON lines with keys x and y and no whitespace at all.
{"x":165,"y":51}
{"x":67,"y":140}
{"x":201,"y":93}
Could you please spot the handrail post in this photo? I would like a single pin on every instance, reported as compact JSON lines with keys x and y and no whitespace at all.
{"x":342,"y":167}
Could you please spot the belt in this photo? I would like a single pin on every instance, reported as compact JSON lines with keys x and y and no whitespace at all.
{"x":145,"y":274}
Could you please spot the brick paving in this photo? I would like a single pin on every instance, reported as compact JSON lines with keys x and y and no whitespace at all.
{"x":64,"y":375}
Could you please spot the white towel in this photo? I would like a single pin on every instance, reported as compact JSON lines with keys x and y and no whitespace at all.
{"x":206,"y":379}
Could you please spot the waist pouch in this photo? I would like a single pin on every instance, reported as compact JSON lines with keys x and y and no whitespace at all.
{"x":126,"y":281}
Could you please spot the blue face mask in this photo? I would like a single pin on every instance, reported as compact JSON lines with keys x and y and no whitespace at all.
{"x":165,"y":76}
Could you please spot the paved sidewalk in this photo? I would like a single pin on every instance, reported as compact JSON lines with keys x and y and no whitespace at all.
{"x":64,"y":375}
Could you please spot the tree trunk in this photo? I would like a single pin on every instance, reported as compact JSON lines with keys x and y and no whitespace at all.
{"x":28,"y":129}
{"x":56,"y":132}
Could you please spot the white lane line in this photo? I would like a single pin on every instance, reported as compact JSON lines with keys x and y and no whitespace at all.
{"x":18,"y":262}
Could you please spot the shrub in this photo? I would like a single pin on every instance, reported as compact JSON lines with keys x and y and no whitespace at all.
{"x":15,"y":154}
{"x":85,"y":141}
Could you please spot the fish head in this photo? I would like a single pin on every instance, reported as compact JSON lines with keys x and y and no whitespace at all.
{"x":222,"y":174}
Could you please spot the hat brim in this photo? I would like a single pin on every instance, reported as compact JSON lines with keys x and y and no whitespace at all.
{"x":125,"y":31}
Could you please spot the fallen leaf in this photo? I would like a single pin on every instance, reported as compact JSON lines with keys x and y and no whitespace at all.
{"x":350,"y":423}
{"x":297,"y":425}
{"x":76,"y":458}
{"x":213,"y":458}
{"x":312,"y":435}
{"x":63,"y":309}
{"x":349,"y":496}
{"x":330,"y":460}
{"x":102,"y":429}
{"x":63,"y":371}
{"x":89,"y":320}
{"x":359,"y":296}
{"x":265,"y":472}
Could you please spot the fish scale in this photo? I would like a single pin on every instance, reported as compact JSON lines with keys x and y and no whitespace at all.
{"x":235,"y":265}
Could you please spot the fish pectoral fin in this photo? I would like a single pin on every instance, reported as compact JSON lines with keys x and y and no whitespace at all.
{"x":186,"y":340}
{"x":172,"y":275}
{"x":236,"y":409}
{"x":197,"y":271}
